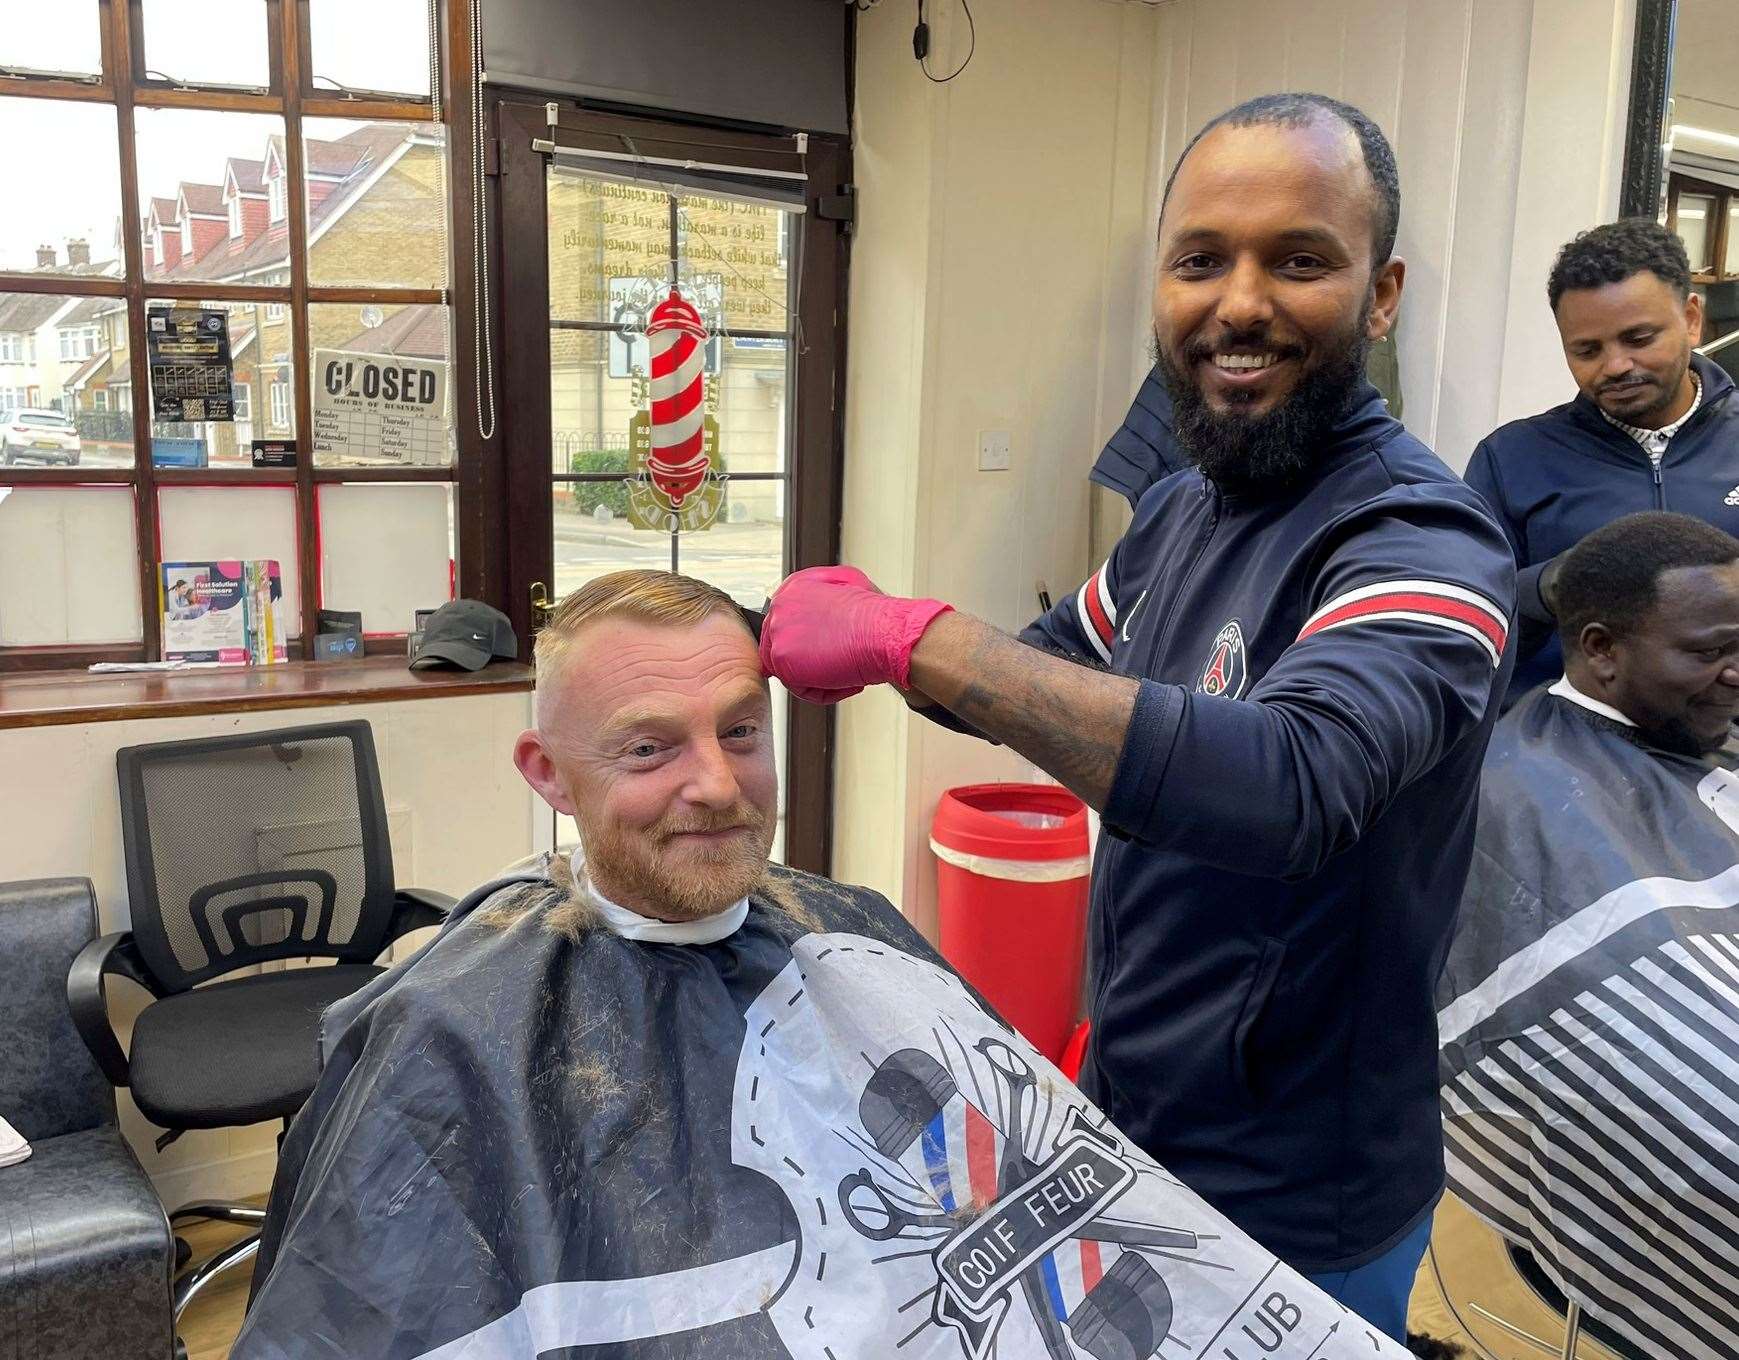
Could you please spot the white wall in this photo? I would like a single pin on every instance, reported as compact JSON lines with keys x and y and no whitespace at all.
{"x":456,"y":807}
{"x":997,"y":277}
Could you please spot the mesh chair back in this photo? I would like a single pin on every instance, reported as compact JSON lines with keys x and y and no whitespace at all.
{"x":260,"y":846}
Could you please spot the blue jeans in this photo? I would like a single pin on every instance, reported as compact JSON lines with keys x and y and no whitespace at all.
{"x":1378,"y":1290}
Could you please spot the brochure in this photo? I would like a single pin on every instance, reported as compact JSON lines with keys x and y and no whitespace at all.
{"x":228,"y":612}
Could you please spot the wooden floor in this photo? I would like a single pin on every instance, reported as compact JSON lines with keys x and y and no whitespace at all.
{"x":1466,"y":1256}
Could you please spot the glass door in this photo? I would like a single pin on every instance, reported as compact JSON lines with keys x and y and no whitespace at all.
{"x":690,"y":305}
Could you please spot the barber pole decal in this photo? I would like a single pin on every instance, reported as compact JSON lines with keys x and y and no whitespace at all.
{"x":675,"y":442}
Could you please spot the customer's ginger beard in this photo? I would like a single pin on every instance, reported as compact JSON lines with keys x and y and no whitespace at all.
{"x":715,"y":774}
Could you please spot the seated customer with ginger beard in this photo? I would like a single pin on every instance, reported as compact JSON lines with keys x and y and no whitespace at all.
{"x":674,"y":1100}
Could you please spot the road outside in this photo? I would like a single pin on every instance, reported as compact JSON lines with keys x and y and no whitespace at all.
{"x":745,"y":560}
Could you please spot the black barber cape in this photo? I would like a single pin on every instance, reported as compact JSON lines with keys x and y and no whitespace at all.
{"x":1589,"y":1019}
{"x":808,"y":1139}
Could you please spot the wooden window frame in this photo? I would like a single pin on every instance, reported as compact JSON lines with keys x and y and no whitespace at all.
{"x":290,"y":96}
{"x":1719,"y":229}
{"x":517,"y":475}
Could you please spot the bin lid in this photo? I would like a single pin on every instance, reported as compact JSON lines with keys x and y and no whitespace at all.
{"x":1012,"y":821}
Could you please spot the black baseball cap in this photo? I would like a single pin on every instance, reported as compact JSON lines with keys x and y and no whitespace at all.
{"x":467,"y":634}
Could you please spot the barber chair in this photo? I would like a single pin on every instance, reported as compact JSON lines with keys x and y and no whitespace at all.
{"x":85,"y":1251}
{"x":264,"y":849}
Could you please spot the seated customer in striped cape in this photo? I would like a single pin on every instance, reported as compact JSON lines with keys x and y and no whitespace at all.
{"x":1589,"y":1012}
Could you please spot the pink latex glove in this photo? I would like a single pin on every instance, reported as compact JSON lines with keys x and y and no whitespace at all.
{"x":829,"y":632}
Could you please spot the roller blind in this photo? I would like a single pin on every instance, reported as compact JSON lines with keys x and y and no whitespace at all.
{"x":775,"y":62}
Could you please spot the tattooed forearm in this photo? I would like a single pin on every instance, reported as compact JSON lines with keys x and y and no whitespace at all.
{"x":1068,"y":720}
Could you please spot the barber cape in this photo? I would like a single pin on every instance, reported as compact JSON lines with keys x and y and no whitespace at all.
{"x":1589,"y":1021}
{"x":807,"y":1139}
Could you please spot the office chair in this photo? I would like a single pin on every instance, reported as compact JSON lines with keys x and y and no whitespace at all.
{"x":85,"y":1251}
{"x":242,"y":850}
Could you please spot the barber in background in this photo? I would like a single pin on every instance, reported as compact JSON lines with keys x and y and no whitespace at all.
{"x":1654,"y":426}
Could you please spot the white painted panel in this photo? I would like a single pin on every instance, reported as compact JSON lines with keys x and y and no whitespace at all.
{"x":1376,"y":34}
{"x":68,"y":566}
{"x":1427,"y":148}
{"x":1470,"y":365}
{"x":219,"y":523}
{"x":1316,"y":46}
{"x":386,"y":549}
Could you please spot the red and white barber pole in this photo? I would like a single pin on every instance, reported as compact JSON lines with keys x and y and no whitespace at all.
{"x":677,"y":337}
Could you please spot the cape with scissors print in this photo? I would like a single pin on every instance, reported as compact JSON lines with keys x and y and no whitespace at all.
{"x":808,"y":1139}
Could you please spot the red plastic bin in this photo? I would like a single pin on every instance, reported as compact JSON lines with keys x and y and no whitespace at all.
{"x":1011,"y":885}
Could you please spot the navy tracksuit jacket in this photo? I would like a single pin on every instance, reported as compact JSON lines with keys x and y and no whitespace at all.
{"x":1290,"y":826}
{"x":1553,"y":478}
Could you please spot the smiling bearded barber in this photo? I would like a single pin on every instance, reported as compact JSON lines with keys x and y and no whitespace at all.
{"x":1280,"y":693}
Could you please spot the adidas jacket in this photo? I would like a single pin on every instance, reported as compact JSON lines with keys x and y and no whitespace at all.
{"x":1556,"y":477}
{"x":1290,"y":827}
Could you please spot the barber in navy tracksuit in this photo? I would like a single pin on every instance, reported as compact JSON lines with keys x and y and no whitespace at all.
{"x":1653,"y":427}
{"x":1292,"y":658}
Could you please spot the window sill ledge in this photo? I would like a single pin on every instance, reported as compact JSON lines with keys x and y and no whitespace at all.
{"x":57,"y":698}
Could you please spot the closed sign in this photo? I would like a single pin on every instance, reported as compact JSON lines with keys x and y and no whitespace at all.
{"x":380,"y":409}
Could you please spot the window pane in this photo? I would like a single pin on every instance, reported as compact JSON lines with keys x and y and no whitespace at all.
{"x":62,"y":38}
{"x":69,"y":568}
{"x":194,"y":42}
{"x":609,"y":248}
{"x":593,"y":397}
{"x":225,"y":523}
{"x":381,"y":46}
{"x":740,"y":250}
{"x":743,"y":553}
{"x":65,"y":358}
{"x":386,"y":550}
{"x":263,"y":388}
{"x":381,"y":390}
{"x":206,"y":182}
{"x":377,"y":206}
{"x":1696,"y":228}
{"x":68,"y":156}
{"x":750,"y":405}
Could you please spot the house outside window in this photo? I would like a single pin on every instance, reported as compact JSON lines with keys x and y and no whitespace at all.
{"x":235,"y":216}
{"x":274,"y":311}
{"x":11,"y":348}
{"x":100,"y":399}
{"x":280,"y":404}
{"x":275,"y":196}
{"x":244,"y":402}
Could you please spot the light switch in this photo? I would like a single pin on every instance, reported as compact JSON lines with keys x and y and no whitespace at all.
{"x":993,"y":451}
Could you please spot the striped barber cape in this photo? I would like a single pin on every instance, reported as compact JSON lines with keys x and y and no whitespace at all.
{"x":1589,"y":1023}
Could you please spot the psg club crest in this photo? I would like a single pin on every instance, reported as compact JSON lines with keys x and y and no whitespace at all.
{"x":1228,"y":668}
{"x":676,"y":483}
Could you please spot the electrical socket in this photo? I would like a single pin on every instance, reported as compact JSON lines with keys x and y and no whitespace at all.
{"x":993,"y":451}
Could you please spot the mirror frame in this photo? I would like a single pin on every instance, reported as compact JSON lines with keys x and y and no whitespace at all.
{"x":1643,"y":183}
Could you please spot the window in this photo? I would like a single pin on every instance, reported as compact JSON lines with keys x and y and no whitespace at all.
{"x":226,"y":151}
{"x":1706,"y":218}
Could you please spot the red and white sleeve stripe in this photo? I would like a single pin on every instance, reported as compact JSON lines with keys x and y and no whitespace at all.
{"x":1435,"y":602}
{"x":1098,"y":614}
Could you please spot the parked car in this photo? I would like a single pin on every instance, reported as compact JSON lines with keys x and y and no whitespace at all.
{"x":46,"y":436}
